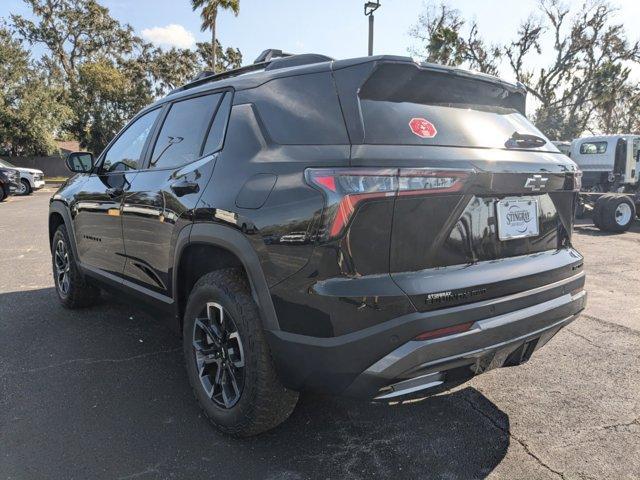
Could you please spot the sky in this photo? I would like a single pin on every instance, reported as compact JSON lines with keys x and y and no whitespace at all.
{"x":336,"y":28}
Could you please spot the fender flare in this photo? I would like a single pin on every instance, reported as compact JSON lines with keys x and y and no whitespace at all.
{"x":59,"y":207}
{"x":233,"y":240}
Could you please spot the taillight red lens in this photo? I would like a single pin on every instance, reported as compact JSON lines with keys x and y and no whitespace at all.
{"x":345,"y":188}
{"x":444,"y":332}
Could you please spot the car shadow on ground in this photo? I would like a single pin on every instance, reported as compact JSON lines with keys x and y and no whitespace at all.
{"x":102,"y":393}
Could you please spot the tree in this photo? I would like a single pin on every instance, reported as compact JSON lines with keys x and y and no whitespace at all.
{"x":588,"y":70}
{"x":582,"y":88}
{"x":439,"y":32}
{"x":100,"y":70}
{"x":209,"y":16}
{"x":30,"y":113}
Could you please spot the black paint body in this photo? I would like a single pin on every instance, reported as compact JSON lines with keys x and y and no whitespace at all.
{"x":321,"y":299}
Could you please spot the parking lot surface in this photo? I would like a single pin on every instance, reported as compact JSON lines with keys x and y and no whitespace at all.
{"x":102,"y":392}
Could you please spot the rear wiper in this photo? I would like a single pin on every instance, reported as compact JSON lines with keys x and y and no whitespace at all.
{"x":521,"y":140}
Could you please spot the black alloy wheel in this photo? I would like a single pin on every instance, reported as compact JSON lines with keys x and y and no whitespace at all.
{"x":62,"y":266}
{"x":219,"y":355}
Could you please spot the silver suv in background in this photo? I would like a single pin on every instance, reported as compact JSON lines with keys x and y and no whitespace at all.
{"x":30,"y":178}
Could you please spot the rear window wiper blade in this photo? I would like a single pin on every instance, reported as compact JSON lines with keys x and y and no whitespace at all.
{"x":522,"y":140}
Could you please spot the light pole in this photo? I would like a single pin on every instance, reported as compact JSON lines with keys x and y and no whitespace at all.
{"x":369,"y":8}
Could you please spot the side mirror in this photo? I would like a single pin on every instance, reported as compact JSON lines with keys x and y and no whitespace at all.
{"x":80,"y":162}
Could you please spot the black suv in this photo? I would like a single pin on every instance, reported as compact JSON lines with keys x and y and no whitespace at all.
{"x":9,"y":182}
{"x":369,"y":227}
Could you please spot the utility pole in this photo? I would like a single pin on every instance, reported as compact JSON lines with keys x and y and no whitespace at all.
{"x":369,"y":8}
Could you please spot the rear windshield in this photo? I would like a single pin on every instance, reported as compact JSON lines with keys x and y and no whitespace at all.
{"x":404,"y":105}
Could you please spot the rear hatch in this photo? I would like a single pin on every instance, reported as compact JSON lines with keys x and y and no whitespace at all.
{"x":481,"y":202}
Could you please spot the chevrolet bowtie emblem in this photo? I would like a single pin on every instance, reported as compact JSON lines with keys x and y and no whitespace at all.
{"x":536,"y":183}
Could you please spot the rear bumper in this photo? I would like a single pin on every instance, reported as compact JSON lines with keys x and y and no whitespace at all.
{"x":384,"y":361}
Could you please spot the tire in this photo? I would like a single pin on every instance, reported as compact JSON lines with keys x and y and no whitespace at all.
{"x":72,"y":288}
{"x":25,"y":187}
{"x":617,"y":214}
{"x":598,"y":208}
{"x":3,"y":194}
{"x":260,"y":402}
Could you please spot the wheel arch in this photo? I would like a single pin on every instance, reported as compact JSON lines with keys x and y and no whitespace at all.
{"x":59,"y":215}
{"x":217,"y":246}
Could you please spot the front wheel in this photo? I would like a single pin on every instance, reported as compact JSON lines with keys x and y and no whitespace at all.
{"x":228,"y":360}
{"x":72,"y":288}
{"x":24,"y":188}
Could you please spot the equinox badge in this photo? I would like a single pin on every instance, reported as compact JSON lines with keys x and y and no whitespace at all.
{"x":536,"y":183}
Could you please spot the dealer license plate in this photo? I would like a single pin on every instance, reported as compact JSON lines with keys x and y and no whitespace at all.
{"x":517,"y":218}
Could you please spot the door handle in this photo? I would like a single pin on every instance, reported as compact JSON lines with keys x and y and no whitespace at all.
{"x":115,"y":192}
{"x":184,"y":187}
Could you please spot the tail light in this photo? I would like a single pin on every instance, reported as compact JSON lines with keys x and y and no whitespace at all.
{"x":345,"y":188}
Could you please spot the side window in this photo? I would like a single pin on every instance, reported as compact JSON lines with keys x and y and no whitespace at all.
{"x":215,"y":139}
{"x":593,"y":148}
{"x":183,"y":131}
{"x":125,"y":153}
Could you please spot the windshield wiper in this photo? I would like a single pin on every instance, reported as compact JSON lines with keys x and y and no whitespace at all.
{"x":521,"y":140}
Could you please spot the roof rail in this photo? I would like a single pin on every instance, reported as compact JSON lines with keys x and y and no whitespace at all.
{"x":260,"y":63}
{"x":209,"y":76}
{"x":271,"y":53}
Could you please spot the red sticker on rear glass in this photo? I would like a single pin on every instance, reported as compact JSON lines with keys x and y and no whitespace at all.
{"x":423,"y":128}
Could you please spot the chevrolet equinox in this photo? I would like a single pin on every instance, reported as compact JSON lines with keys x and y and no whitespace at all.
{"x":370,"y":227}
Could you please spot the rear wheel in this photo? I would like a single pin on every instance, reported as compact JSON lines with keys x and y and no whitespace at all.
{"x":617,"y":212}
{"x":228,"y":360}
{"x":24,"y":188}
{"x":3,"y":195}
{"x":598,"y":209}
{"x":72,"y":288}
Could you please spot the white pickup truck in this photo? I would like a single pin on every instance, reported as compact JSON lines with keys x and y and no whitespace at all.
{"x":30,"y":178}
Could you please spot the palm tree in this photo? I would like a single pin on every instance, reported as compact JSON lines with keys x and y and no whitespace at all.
{"x":209,"y":15}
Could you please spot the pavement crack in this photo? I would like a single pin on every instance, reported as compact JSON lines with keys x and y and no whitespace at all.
{"x":147,"y":471}
{"x":89,"y":361}
{"x":598,"y":345}
{"x":507,"y":432}
{"x":614,"y":326}
{"x":615,"y":426}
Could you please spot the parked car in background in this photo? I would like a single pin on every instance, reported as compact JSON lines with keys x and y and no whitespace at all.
{"x":30,"y":178}
{"x":368,"y":227}
{"x":9,"y":182}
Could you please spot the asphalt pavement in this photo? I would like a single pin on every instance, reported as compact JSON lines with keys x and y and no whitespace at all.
{"x":102,"y":392}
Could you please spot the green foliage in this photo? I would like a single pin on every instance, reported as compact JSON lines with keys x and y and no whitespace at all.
{"x":30,"y":113}
{"x":440,"y":37}
{"x":98,"y":73}
{"x":209,"y":15}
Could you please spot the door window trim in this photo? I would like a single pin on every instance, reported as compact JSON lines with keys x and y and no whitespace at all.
{"x":148,"y":150}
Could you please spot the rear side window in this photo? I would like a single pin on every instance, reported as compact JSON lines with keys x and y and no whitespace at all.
{"x":215,"y":138}
{"x":301,"y":110}
{"x":593,"y":148}
{"x":402,"y":104}
{"x":181,"y":137}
